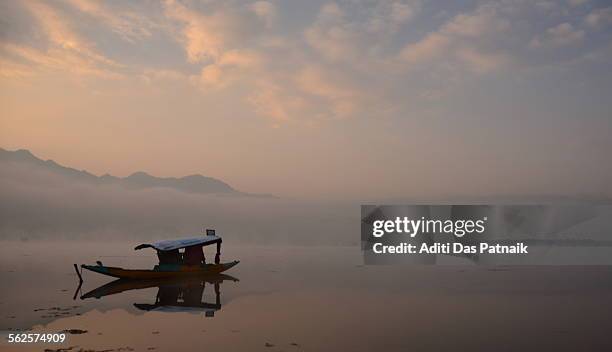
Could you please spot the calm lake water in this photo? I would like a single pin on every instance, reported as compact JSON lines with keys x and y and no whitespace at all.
{"x":302,"y":299}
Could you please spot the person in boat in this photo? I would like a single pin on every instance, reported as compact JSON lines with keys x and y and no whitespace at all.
{"x":169,"y":257}
{"x":194,"y":255}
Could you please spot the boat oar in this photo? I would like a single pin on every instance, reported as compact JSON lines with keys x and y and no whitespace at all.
{"x":76,"y":268}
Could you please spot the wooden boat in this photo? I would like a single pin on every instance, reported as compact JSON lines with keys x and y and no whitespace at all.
{"x":173,"y":263}
{"x":161,"y":271}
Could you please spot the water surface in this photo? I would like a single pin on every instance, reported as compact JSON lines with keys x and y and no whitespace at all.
{"x":304,"y":299}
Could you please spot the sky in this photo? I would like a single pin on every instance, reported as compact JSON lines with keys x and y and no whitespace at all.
{"x":310,"y":99}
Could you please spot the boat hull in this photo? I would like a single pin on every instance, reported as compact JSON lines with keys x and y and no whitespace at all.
{"x":161,"y":271}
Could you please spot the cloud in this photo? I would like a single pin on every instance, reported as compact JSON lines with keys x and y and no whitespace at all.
{"x":501,"y":35}
{"x":465,"y":39}
{"x":56,"y":59}
{"x":402,"y":12}
{"x":204,"y":36}
{"x":231,"y":45}
{"x":160,"y":76}
{"x":208,"y":35}
{"x":217,"y":39}
{"x":577,"y":2}
{"x":231,"y":66}
{"x":342,"y":97}
{"x":272,"y":101}
{"x":65,"y":50}
{"x":130,"y":25}
{"x":10,"y":69}
{"x":482,"y":62}
{"x":284,"y":86}
{"x":546,"y":5}
{"x":331,"y":36}
{"x":356,"y":33}
{"x":599,"y":18}
{"x":430,"y":47}
{"x":308,"y":96}
{"x":59,"y":33}
{"x":347,"y":58}
{"x":265,"y":10}
{"x":557,"y":36}
{"x":484,"y":21}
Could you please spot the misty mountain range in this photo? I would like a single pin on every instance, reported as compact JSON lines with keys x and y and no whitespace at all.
{"x":138,"y":180}
{"x":44,"y":200}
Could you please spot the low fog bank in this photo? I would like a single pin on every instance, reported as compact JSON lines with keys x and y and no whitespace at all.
{"x":36,"y":204}
{"x":39,"y":204}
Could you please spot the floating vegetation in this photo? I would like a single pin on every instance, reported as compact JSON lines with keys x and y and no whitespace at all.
{"x":66,"y":349}
{"x":72,"y":349}
{"x":57,"y":312}
{"x":74,"y":331}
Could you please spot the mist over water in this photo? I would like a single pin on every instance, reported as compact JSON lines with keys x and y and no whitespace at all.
{"x":38,"y":202}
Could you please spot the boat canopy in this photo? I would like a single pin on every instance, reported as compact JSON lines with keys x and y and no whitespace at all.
{"x":169,"y":245}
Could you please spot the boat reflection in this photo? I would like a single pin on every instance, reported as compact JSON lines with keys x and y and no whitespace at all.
{"x":173,"y":295}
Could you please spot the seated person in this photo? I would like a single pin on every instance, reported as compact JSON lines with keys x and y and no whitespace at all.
{"x":169,"y":257}
{"x":194,"y":255}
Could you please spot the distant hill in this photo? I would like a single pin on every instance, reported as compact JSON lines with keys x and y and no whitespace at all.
{"x":138,"y":180}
